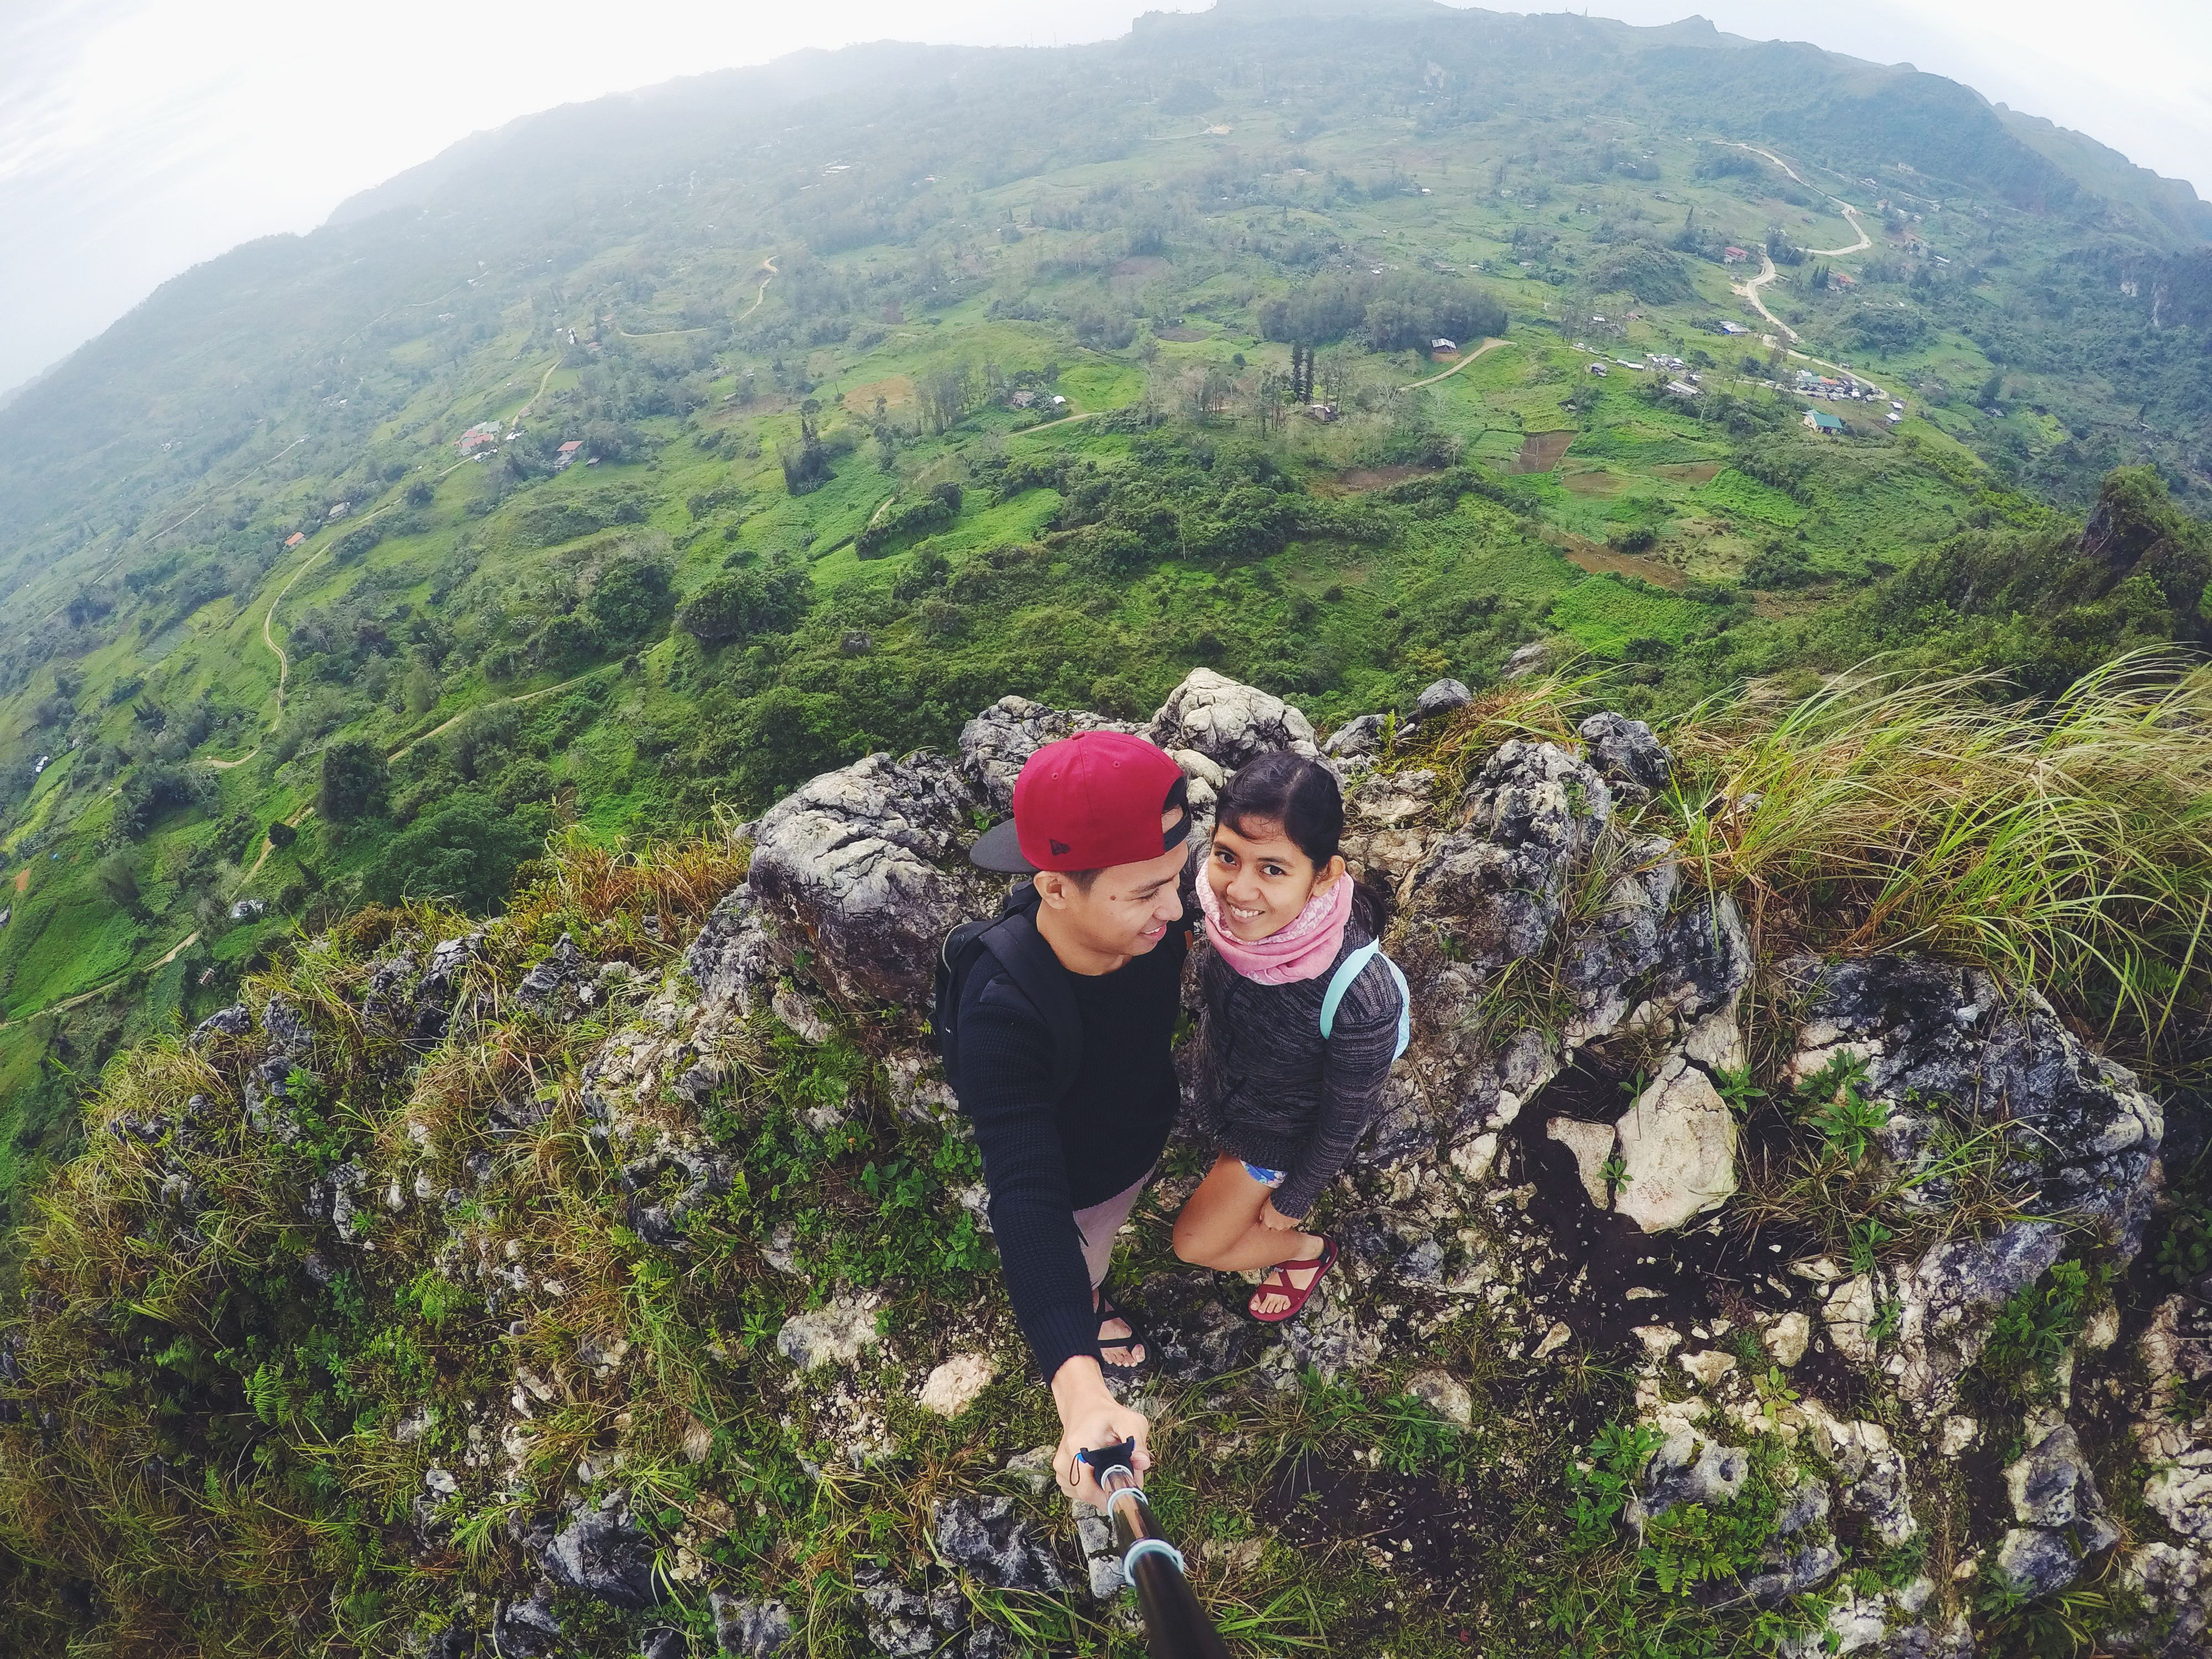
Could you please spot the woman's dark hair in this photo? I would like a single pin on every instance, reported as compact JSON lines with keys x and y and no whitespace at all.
{"x":1304,"y":797}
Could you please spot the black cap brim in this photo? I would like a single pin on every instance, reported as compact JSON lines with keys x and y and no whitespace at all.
{"x":1000,"y":848}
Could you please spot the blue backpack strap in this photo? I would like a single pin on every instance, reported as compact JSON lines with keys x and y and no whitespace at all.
{"x":1340,"y":981}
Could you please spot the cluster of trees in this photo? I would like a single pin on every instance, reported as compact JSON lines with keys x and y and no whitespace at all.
{"x":742,"y":604}
{"x":1401,"y":311}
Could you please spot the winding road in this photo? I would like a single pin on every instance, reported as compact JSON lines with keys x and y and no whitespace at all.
{"x":1748,"y":289}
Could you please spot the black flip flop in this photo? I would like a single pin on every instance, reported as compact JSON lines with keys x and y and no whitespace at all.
{"x":1108,"y":1313}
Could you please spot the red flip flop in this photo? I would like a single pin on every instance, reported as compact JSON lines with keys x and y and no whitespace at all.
{"x":1321,"y":1264}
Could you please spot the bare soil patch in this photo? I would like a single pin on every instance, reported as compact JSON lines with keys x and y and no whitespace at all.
{"x":1600,"y":560}
{"x":1692,"y":472}
{"x":1374,"y":477}
{"x":1183,"y":333}
{"x":1592,"y":481}
{"x":1541,"y":451}
{"x":894,"y":391}
{"x":23,"y":879}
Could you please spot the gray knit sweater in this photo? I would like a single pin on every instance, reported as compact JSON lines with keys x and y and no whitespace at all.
{"x":1270,"y":1090}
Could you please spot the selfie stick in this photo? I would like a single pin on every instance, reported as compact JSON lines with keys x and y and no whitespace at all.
{"x":1175,"y":1626}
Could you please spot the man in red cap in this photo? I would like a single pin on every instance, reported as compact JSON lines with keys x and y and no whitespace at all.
{"x":1100,"y":823}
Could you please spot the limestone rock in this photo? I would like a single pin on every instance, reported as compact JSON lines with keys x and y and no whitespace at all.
{"x":730,"y":958}
{"x":2174,"y":1439}
{"x":1788,"y":1337}
{"x":1592,"y":1144}
{"x":600,"y":1554}
{"x":954,"y":1386}
{"x":1440,"y":697}
{"x":2052,"y":1486}
{"x":1625,"y":752}
{"x":831,"y":1335}
{"x":848,"y":871}
{"x":288,"y":1030}
{"x":1885,"y":1624}
{"x":755,"y":1630}
{"x":231,"y":1022}
{"x":1946,"y":1033}
{"x":1707,"y":1366}
{"x":2036,"y":1561}
{"x":2175,"y":1584}
{"x":526,"y":1626}
{"x":1851,"y":1313}
{"x":1689,"y":1469}
{"x":1195,"y":1335}
{"x":1526,"y":660}
{"x":1707,"y":956}
{"x":1445,"y":1395}
{"x":1874,"y":1482}
{"x":554,"y":979}
{"x":1678,"y":1145}
{"x":1490,"y":893}
{"x":895,"y":1618}
{"x":1607,"y":959}
{"x":1227,"y":722}
{"x":986,"y":1537}
{"x":997,"y":743}
{"x":1357,"y":738}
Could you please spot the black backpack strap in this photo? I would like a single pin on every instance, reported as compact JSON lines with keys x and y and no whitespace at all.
{"x":1029,"y":963}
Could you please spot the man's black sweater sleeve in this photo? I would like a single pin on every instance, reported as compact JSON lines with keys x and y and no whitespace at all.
{"x":1005,"y":1089}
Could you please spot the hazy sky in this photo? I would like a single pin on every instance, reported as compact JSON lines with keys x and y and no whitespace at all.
{"x":139,"y":137}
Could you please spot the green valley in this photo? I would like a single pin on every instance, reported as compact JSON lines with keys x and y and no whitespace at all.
{"x":643,"y":459}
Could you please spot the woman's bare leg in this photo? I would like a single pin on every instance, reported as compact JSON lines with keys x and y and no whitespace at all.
{"x":1220,"y":1228}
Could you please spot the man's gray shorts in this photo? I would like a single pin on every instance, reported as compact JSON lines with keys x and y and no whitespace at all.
{"x":1101,"y":1222}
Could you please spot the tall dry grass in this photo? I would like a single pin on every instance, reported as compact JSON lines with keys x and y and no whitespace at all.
{"x":2069,"y":846}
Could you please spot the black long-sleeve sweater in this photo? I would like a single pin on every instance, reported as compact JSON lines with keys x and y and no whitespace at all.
{"x":1271,"y":1091}
{"x":1044,"y":1160}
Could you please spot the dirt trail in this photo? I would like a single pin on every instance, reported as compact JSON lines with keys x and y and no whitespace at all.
{"x":1486,"y":346}
{"x":773,"y":273}
{"x":439,"y":731}
{"x":161,"y":961}
{"x":1749,"y":289}
{"x":1023,"y":432}
{"x":1864,"y":241}
{"x":542,"y":380}
{"x":298,"y":817}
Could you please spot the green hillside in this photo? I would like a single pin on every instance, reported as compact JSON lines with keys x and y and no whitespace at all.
{"x":823,"y":404}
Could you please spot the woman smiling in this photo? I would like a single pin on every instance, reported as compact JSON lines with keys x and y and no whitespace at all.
{"x":1300,"y":1018}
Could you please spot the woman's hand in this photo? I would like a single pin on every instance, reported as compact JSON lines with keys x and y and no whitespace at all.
{"x":1274,"y":1220}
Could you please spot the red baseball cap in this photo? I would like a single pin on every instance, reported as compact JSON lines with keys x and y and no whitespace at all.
{"x":1087,"y":802}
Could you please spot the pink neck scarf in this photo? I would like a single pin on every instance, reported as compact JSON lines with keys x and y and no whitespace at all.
{"x":1303,"y":950}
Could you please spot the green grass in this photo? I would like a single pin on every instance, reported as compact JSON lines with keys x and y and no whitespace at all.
{"x":1604,"y":614}
{"x":1731,"y":491}
{"x":2065,"y":848}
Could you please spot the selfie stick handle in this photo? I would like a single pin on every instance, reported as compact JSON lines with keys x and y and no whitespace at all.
{"x":1175,"y":1626}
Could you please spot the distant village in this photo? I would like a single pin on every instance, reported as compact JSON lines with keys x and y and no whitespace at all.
{"x":1681,"y":382}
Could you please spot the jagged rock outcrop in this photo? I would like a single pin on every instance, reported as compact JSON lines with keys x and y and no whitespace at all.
{"x":858,"y":869}
{"x":2081,"y":1136}
{"x":1227,"y":722}
{"x":1558,"y":1163}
